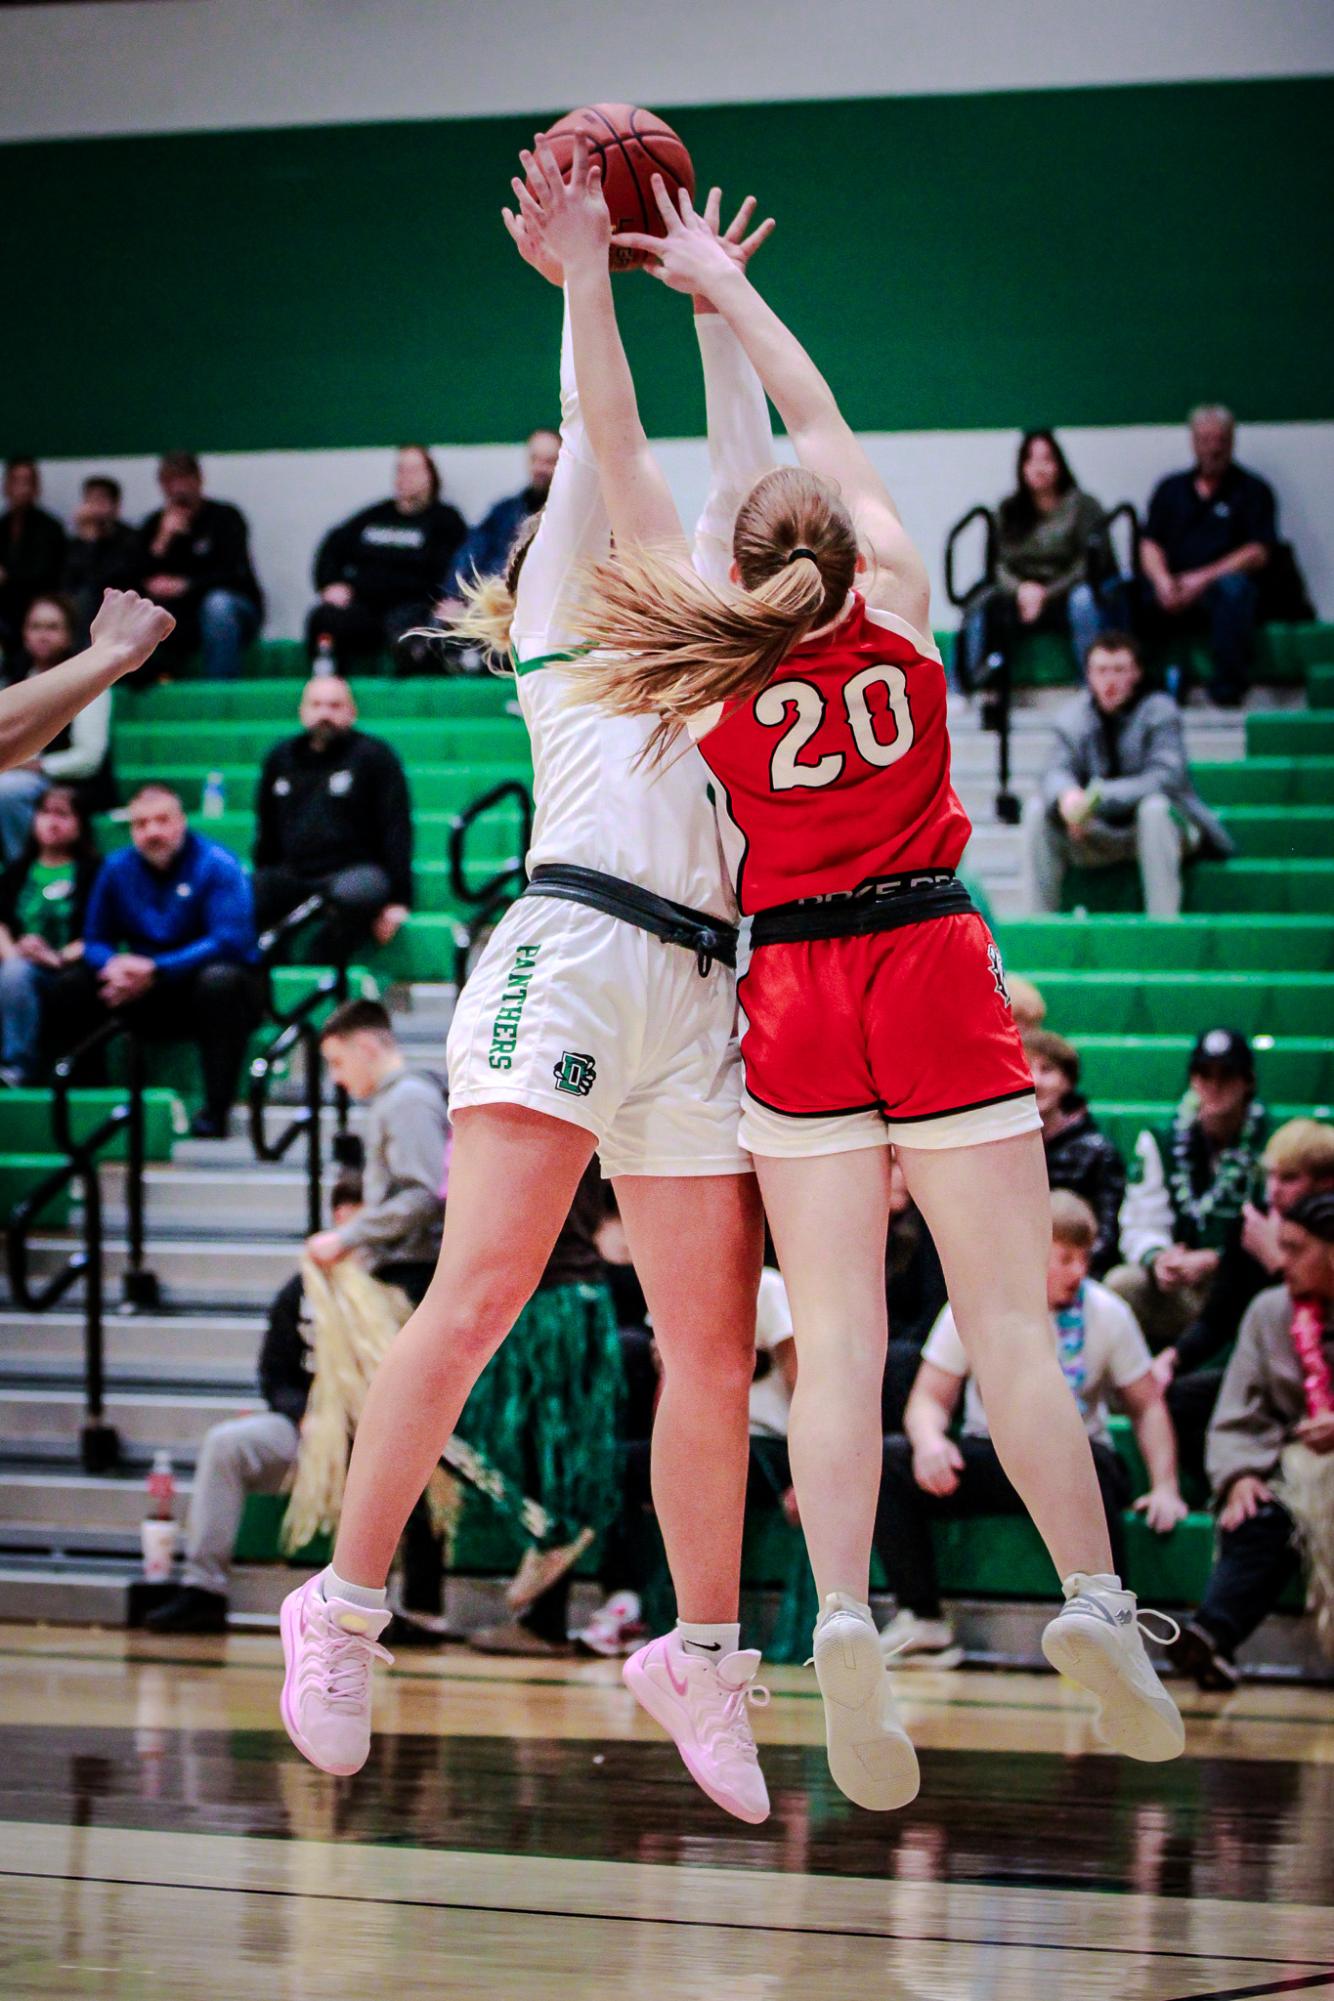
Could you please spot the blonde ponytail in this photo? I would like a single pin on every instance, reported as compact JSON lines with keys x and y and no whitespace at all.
{"x":486,"y":619}
{"x":675,"y":645}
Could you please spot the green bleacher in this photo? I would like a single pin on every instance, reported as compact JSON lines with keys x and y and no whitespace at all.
{"x":1285,"y":656}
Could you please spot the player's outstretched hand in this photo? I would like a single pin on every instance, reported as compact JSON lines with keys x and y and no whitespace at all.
{"x":129,"y":628}
{"x":566,"y":219}
{"x":693,"y":256}
{"x":735,"y":239}
{"x":532,"y":246}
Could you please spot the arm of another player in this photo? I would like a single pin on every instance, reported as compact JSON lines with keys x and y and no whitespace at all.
{"x":689,"y":259}
{"x":741,"y":446}
{"x":125,"y":633}
{"x":572,"y":221}
{"x":573,"y":528}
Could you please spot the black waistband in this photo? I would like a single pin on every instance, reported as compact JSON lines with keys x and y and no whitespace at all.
{"x":709,"y":938}
{"x":914,"y":897}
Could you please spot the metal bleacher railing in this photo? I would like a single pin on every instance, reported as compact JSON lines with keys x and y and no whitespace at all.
{"x":487,"y":901}
{"x":297,"y":1028}
{"x":99,"y":1442}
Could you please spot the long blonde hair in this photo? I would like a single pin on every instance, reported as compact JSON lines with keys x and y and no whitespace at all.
{"x":487,"y":618}
{"x":677,"y":645}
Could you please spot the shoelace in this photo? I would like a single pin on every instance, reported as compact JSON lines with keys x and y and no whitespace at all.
{"x":734,"y":1729}
{"x":1143,"y":1614}
{"x":348,"y":1667}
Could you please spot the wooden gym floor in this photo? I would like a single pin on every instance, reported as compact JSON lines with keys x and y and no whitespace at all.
{"x":523,"y":1832}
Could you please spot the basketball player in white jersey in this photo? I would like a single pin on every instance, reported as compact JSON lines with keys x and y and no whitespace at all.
{"x":601,"y":1016}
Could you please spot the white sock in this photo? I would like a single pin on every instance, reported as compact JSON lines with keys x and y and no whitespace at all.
{"x":709,"y":1642}
{"x":333,"y":1586}
{"x":1103,"y":1580}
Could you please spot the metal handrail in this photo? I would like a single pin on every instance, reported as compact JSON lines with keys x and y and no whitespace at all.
{"x":978,"y":513}
{"x":296,"y":1029}
{"x":463,"y":823}
{"x":488,"y":900}
{"x":1103,"y":544}
{"x":99,"y":1441}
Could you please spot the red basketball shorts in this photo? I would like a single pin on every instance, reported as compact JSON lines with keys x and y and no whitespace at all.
{"x":902,"y":1036}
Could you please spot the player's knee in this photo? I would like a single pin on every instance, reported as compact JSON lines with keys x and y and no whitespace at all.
{"x":1155,"y":811}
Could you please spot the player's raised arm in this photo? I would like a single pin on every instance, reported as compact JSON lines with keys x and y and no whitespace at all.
{"x":571,"y":218}
{"x":690,"y":259}
{"x":741,"y":446}
{"x":125,"y":633}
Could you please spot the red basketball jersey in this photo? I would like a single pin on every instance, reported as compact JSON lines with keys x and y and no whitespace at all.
{"x":839,"y":770}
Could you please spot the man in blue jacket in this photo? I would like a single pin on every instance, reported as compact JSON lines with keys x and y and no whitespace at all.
{"x":170,"y":939}
{"x":488,"y":545}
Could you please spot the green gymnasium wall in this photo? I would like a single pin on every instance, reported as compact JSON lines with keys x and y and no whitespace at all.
{"x":1076,"y":257}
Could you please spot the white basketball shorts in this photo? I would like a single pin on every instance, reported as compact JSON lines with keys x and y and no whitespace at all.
{"x":590,"y":1019}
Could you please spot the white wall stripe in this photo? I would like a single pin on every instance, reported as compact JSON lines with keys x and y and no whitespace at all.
{"x":291,"y":498}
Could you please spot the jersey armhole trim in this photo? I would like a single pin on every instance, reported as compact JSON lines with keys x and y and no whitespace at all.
{"x":891,"y":622}
{"x":537,"y":660}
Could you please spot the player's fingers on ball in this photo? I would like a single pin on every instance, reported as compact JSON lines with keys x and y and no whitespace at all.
{"x":579,"y":164}
{"x":664,"y":201}
{"x":740,"y":221}
{"x":713,"y":208}
{"x":532,"y":168}
{"x":635,"y":240}
{"x":758,"y":236}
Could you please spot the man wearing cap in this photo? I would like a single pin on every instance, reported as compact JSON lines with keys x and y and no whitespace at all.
{"x":1189,"y":1186}
{"x":1269,"y":1448}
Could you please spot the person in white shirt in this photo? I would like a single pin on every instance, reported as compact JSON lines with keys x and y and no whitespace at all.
{"x":930,"y":1475}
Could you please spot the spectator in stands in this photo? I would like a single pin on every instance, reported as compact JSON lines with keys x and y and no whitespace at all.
{"x":914,"y":1295}
{"x":1189,"y":1187}
{"x":929,"y":1475}
{"x":193,"y":556}
{"x":102,"y":551}
{"x":1026,"y":1003}
{"x":333,"y":817}
{"x":379,"y":573}
{"x":1079,"y":1157}
{"x":248,"y":1455}
{"x":1297,"y":1162}
{"x":1277,"y":1393}
{"x":32,"y":548}
{"x":1050,"y":543}
{"x":407,"y":1145}
{"x":488,"y":544}
{"x":1209,"y":534}
{"x":1118,"y":788}
{"x":79,"y":755}
{"x":43,"y":901}
{"x":170,"y":940}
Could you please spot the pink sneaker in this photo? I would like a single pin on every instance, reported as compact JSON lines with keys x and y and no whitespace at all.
{"x":329,"y":1646}
{"x":704,"y":1707}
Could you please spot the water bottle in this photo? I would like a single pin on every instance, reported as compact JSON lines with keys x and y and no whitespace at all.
{"x":214,"y":802}
{"x":158,"y":1530}
{"x":325,"y":661}
{"x":161,"y":1488}
{"x":1172,"y":683}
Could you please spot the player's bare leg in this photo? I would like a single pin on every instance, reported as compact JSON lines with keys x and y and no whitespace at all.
{"x":513,"y":1177}
{"x":697,"y":1245}
{"x":988,"y":1210}
{"x":829,"y":1216}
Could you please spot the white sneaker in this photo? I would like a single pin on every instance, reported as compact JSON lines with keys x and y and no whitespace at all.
{"x":329,"y":1646}
{"x":871,"y":1756}
{"x":910,"y":1642}
{"x":615,"y":1629}
{"x":704,"y":1706}
{"x":1096,"y":1640}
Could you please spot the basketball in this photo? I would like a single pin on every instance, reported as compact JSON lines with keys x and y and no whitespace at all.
{"x":630,"y":146}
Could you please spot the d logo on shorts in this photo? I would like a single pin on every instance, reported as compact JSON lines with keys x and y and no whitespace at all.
{"x":575,"y":1073}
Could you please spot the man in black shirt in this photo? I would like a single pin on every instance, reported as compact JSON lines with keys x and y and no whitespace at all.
{"x":248,"y":1455}
{"x":1209,"y":533}
{"x":379,"y":573}
{"x":193,"y":556}
{"x":102,"y":549}
{"x":334,"y":817}
{"x":32,"y":549}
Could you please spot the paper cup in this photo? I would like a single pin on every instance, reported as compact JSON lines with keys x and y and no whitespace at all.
{"x":159,"y":1543}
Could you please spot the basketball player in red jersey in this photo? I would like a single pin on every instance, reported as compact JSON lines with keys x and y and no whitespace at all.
{"x":874,"y":1004}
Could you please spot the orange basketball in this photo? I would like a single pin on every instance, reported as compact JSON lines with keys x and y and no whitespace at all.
{"x":631,"y":146}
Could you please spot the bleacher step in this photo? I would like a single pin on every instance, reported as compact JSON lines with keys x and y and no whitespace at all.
{"x":145,"y":1420}
{"x":191,"y":1272}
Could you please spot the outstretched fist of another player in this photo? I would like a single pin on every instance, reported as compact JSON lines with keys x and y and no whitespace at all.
{"x":564,"y":222}
{"x":129,"y":629}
